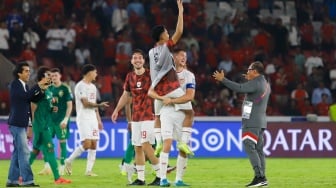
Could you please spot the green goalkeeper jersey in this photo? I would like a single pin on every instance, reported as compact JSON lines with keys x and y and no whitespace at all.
{"x":42,"y":114}
{"x":61,"y":95}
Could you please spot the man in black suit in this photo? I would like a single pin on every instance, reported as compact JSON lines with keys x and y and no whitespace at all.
{"x":19,"y":126}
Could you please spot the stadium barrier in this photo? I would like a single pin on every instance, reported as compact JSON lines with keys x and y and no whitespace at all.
{"x":216,"y":137}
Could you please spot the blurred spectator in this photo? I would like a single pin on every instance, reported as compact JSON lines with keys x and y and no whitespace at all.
{"x":313,"y":61}
{"x":299,"y":60}
{"x":322,"y":108}
{"x":119,"y":17}
{"x":227,"y":26}
{"x":29,"y":56}
{"x":15,"y":39}
{"x":4,"y":38}
{"x":135,"y":7}
{"x":14,"y":18}
{"x":320,"y":92}
{"x":280,"y":37}
{"x":307,"y":36}
{"x":327,"y":34}
{"x":307,"y":108}
{"x":122,"y":61}
{"x":293,"y":34}
{"x":299,"y":95}
{"x":110,"y":44}
{"x":55,"y":43}
{"x":211,"y":55}
{"x":279,"y":90}
{"x":31,"y":37}
{"x":125,"y":41}
{"x":189,"y":40}
{"x":215,"y":31}
{"x":69,"y":34}
{"x":69,"y":56}
{"x":225,"y":64}
{"x":83,"y":55}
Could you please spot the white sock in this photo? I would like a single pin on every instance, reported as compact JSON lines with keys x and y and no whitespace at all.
{"x":158,"y":137}
{"x":91,"y":158}
{"x":46,"y":165}
{"x":181,"y":165}
{"x":141,"y":172}
{"x":156,"y":168}
{"x":164,"y":157}
{"x":186,"y":134}
{"x":78,"y":151}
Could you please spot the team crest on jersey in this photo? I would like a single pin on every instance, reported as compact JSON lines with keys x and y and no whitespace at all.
{"x":181,"y":80}
{"x":138,"y":84}
{"x":61,"y":93}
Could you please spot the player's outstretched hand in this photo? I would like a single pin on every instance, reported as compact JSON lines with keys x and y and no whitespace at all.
{"x":218,"y":75}
{"x":104,"y":104}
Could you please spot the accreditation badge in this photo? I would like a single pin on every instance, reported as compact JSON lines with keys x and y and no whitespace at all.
{"x":247,"y":109}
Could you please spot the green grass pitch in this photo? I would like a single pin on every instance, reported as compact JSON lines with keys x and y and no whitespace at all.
{"x":201,"y":172}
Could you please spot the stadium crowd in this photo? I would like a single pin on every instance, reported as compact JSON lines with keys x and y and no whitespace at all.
{"x":298,"y":53}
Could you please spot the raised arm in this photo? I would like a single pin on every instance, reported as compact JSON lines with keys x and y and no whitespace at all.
{"x":179,"y":26}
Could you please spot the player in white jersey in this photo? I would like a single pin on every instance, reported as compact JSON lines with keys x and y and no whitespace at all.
{"x":88,"y":119}
{"x":173,"y":123}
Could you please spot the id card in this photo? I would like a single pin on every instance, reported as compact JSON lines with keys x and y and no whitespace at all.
{"x":247,"y":109}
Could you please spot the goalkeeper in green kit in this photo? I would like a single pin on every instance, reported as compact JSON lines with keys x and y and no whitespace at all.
{"x":62,"y":109}
{"x":42,"y":111}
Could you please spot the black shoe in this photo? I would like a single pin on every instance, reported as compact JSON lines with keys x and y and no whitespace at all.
{"x":156,"y":182}
{"x":30,"y":185}
{"x":257,"y":182}
{"x":264,"y":181}
{"x":12,"y":185}
{"x":137,"y":182}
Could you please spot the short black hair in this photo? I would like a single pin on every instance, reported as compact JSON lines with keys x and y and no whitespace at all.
{"x":258,"y":66}
{"x":178,"y":49}
{"x":139,"y":51}
{"x":56,"y":70}
{"x":41,"y":72}
{"x":157,"y":31}
{"x":19,"y":68}
{"x":87,"y":68}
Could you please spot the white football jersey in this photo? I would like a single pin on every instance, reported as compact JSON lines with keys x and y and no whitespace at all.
{"x":186,"y":79}
{"x":89,"y":91}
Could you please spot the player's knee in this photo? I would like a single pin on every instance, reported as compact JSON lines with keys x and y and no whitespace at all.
{"x":249,"y":146}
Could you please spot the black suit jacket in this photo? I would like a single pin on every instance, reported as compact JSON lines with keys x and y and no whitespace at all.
{"x":20,"y":103}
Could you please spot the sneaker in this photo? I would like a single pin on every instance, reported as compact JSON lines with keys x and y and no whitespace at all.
{"x":264,"y":182}
{"x":164,"y":183}
{"x":61,"y":180}
{"x":258,"y":182}
{"x":158,"y":149}
{"x":170,"y":169}
{"x":61,"y":170}
{"x":130,"y":171}
{"x":12,"y":185}
{"x":90,"y":173}
{"x":67,"y":167}
{"x":45,"y":171}
{"x":185,"y":148}
{"x":156,"y":182}
{"x":138,"y":182}
{"x":122,"y":168}
{"x":180,"y":183}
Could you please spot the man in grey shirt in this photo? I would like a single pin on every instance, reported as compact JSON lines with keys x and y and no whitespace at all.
{"x":254,"y":123}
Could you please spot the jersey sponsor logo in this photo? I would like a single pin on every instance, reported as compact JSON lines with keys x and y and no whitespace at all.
{"x":60,"y":93}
